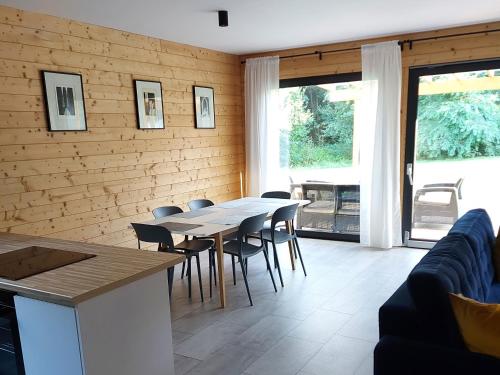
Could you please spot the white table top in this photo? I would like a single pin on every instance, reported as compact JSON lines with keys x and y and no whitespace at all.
{"x":224,"y":217}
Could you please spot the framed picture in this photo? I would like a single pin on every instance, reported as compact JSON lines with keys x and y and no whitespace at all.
{"x":204,"y":107}
{"x":64,"y":101}
{"x":149,"y":102}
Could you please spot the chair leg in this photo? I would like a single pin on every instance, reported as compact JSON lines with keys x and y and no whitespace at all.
{"x":183,"y":268}
{"x":269,"y":269}
{"x":300,"y":255}
{"x":234,"y":270}
{"x":277,"y":264}
{"x":188,"y":275}
{"x":210,"y":256}
{"x":246,"y":281}
{"x":246,"y":266}
{"x":199,"y":276}
{"x":170,"y":277}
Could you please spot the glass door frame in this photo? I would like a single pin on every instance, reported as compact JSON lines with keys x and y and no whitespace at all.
{"x":411,"y":119}
{"x":319,"y":80}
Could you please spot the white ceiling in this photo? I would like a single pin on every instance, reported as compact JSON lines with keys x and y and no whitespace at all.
{"x":263,"y":25}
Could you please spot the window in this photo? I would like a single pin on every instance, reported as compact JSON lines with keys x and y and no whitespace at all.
{"x":319,"y":150}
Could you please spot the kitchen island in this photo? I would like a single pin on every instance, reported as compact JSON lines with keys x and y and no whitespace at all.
{"x":107,"y":312}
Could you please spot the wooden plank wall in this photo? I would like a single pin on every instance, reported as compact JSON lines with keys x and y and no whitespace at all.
{"x":90,"y":185}
{"x":463,"y":48}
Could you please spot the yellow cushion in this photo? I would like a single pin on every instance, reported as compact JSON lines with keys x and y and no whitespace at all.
{"x":479,"y":324}
{"x":496,"y":257}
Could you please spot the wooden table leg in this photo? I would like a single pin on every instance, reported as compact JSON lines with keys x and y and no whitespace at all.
{"x":290,"y":244}
{"x":219,"y":243}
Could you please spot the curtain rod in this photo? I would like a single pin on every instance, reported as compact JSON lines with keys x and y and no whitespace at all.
{"x":401,"y":43}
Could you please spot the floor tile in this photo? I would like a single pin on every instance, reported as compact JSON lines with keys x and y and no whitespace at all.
{"x":325,"y":323}
{"x":285,"y":358}
{"x":341,"y":355}
{"x":209,"y":340}
{"x":320,"y":326}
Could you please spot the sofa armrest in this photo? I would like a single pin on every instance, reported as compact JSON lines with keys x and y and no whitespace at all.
{"x":396,"y":355}
{"x":398,"y":315}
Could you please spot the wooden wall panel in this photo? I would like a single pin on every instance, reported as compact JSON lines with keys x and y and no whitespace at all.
{"x":90,"y":185}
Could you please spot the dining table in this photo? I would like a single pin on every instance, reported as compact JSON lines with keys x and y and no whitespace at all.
{"x":222,"y":219}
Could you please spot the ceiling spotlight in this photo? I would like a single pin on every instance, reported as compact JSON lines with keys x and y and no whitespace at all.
{"x":223,"y":18}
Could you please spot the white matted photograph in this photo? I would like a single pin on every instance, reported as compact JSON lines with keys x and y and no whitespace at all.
{"x":64,"y":101}
{"x":149,"y":104}
{"x":204,"y":107}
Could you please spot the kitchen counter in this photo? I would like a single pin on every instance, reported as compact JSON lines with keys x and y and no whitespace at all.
{"x":69,"y":285}
{"x":106,"y":314}
{"x":111,"y":268}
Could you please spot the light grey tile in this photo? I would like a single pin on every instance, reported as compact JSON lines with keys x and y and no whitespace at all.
{"x":366,"y":367}
{"x":363,"y":325}
{"x":341,"y":355}
{"x":179,"y":336}
{"x":342,"y":278}
{"x":229,"y":360}
{"x":287,"y":357}
{"x":249,"y":315}
{"x":209,"y":340}
{"x":264,"y":334}
{"x":320,"y":326}
{"x":184,"y":364}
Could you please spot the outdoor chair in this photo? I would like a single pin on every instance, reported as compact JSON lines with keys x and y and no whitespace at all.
{"x":437,"y":204}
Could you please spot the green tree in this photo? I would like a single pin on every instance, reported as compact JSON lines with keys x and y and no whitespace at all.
{"x":321,"y":130}
{"x":459,"y":125}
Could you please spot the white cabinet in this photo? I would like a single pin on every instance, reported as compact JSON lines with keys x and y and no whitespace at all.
{"x":125,"y":331}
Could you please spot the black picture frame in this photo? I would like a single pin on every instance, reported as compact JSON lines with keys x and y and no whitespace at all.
{"x":140,"y":104}
{"x":55,"y":119}
{"x":204,"y":114}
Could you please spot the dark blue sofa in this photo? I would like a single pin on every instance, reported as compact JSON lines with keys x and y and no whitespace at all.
{"x":418,"y":331}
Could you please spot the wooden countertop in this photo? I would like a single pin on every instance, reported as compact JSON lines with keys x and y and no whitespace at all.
{"x":111,"y":268}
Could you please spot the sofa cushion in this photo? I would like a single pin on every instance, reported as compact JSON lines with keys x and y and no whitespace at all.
{"x":476,"y":227}
{"x":479,"y":324}
{"x":448,"y":267}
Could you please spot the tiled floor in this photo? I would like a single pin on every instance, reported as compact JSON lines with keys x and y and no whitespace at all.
{"x":325,"y":323}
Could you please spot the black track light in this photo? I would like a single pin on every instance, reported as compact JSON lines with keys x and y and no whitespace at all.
{"x":223,"y":18}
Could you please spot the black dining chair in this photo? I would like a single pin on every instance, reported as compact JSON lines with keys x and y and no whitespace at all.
{"x":191,"y":248}
{"x":196,"y":204}
{"x":273,"y":236}
{"x":277,"y":194}
{"x":242,"y":249}
{"x":161,"y":236}
{"x":164,"y":211}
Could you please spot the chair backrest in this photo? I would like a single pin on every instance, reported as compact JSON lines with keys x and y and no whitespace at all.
{"x":154,"y":234}
{"x":251,"y":225}
{"x":196,"y":204}
{"x":276,"y":194}
{"x":458,"y":185}
{"x":164,"y":211}
{"x":286,"y":213}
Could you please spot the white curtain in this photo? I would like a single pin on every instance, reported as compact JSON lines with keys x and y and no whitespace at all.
{"x":261,"y":110}
{"x":380,"y":221}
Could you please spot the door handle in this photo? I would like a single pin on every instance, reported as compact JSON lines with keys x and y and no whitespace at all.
{"x":409,"y":172}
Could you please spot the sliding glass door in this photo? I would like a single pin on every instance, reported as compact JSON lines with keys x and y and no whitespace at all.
{"x":452,"y":147}
{"x":319,"y":152}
